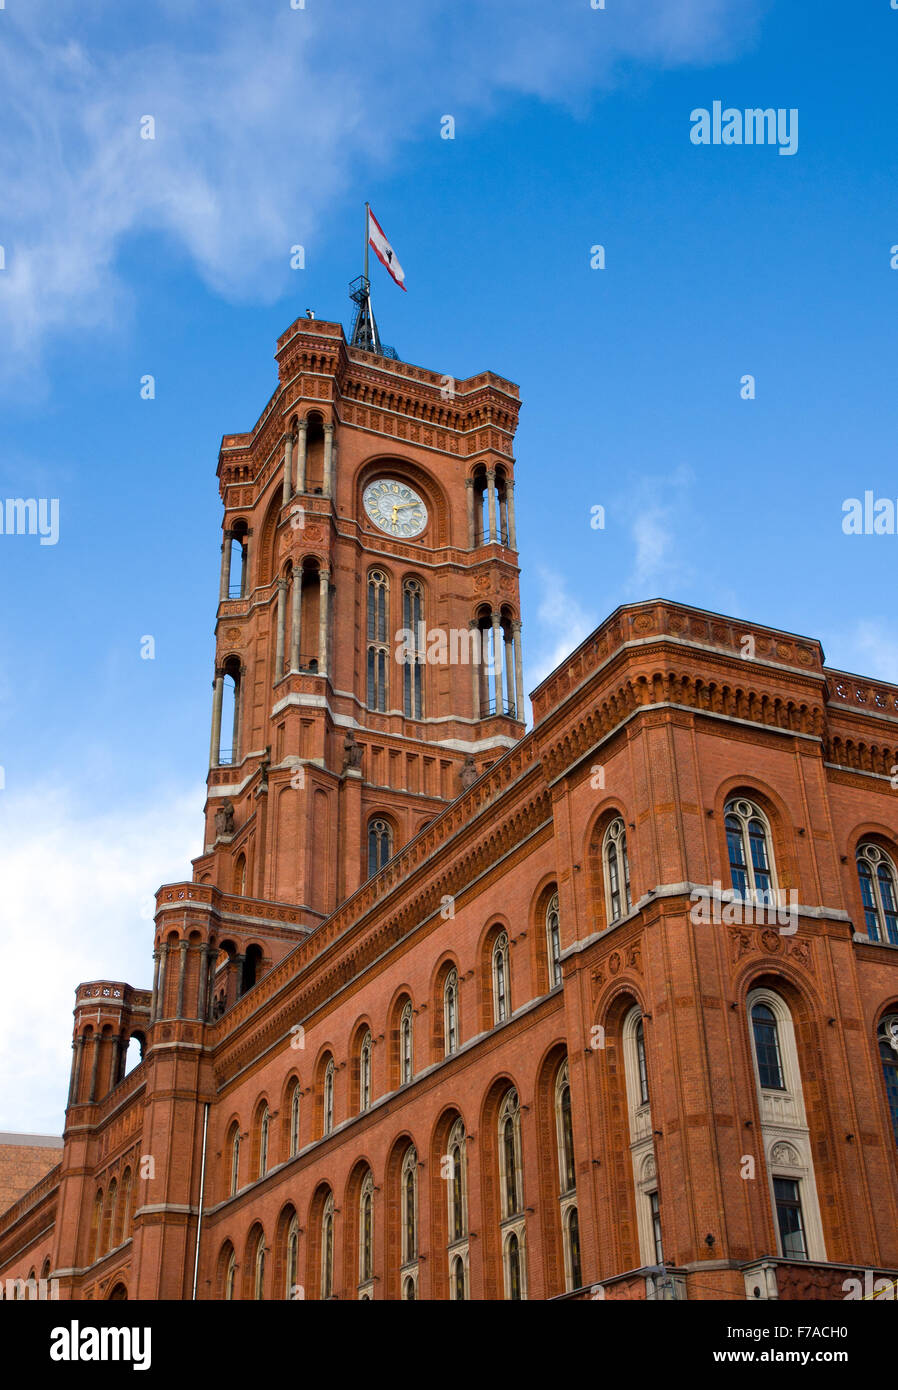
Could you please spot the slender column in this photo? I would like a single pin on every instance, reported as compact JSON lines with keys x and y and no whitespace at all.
{"x":78,"y":1046}
{"x":237,"y":961}
{"x":509,"y":503}
{"x":497,"y":660}
{"x":217,"y":696}
{"x":518,"y":670}
{"x":93,"y":1069}
{"x":295,"y":619}
{"x":225,"y":582}
{"x":201,"y":991}
{"x":476,"y":666}
{"x":235,"y":728}
{"x":281,"y":619}
{"x":154,"y":1001}
{"x":182,"y":972}
{"x":509,"y":670}
{"x":244,"y":564}
{"x":328,"y":459}
{"x":300,"y":459}
{"x":160,"y":1012}
{"x":323,"y":591}
{"x":491,"y":501}
{"x":287,"y":442}
{"x":469,"y":496}
{"x":121,"y":1048}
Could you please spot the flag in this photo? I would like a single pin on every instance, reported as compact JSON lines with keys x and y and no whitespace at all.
{"x":383,"y":250}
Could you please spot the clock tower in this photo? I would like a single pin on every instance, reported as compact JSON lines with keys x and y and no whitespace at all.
{"x":368,"y":636}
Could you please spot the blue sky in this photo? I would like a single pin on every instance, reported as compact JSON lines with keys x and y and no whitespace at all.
{"x":171,"y":257}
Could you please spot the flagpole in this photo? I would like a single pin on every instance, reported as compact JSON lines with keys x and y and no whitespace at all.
{"x":366,"y":241}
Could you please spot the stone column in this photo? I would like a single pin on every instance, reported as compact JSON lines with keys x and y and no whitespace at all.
{"x":295,"y":619}
{"x":235,"y":729}
{"x":518,"y":670}
{"x":163,"y":949}
{"x":121,"y":1048}
{"x":323,"y":592}
{"x":217,"y":696}
{"x":497,"y":659}
{"x":201,"y":1010}
{"x":287,"y":442}
{"x":476,"y":666}
{"x":154,"y":998}
{"x":509,"y":670}
{"x":224,"y":586}
{"x":281,"y":620}
{"x":300,"y":462}
{"x":78,"y":1048}
{"x":469,"y":496}
{"x":237,"y":965}
{"x":509,"y":503}
{"x":491,"y":502}
{"x":93,"y":1067}
{"x":182,"y":973}
{"x":328,"y":459}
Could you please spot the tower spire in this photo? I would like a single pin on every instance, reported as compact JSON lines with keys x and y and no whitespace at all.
{"x":365,"y":334}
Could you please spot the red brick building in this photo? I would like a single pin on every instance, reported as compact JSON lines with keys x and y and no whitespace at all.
{"x":451,"y":1010}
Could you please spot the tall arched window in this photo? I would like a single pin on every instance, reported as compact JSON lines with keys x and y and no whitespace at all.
{"x":767,"y":1047}
{"x":450,"y":1013}
{"x":264,"y":1124}
{"x":642,"y":1143}
{"x":294,"y":1119}
{"x":366,"y":1233}
{"x":457,"y":1185}
{"x":97,"y":1226}
{"x":617,"y":871}
{"x":406,"y":1037}
{"x":109,"y":1217}
{"x":365,"y":1073}
{"x":259,"y":1268}
{"x":380,"y":844}
{"x":235,"y":1159}
{"x":553,"y":941}
{"x":327,"y":1248}
{"x":878,"y":891}
{"x":564,"y":1130}
{"x":510,"y":1155}
{"x":513,"y":1267}
{"x":413,"y":668}
{"x":643,"y":1071}
{"x":501,"y":992}
{"x":291,"y":1264}
{"x":888,"y":1055}
{"x":230,"y":1276}
{"x":328,"y":1097}
{"x":409,"y":1206}
{"x":572,"y":1247}
{"x":378,"y":642}
{"x":459,"y":1287}
{"x":240,"y":875}
{"x":750,"y":849}
{"x":123,"y":1220}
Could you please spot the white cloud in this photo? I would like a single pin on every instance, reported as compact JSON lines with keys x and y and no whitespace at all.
{"x":264,"y":118}
{"x":74,"y":887}
{"x":561,"y":622}
{"x":661,"y":523}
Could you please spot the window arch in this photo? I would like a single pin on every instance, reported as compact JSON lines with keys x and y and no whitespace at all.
{"x":501,"y":990}
{"x":750,"y":851}
{"x":457,"y":1186}
{"x":888,"y":1054}
{"x":409,"y":1206}
{"x":259,"y":1268}
{"x":366,"y":1235}
{"x":97,"y":1226}
{"x":413,"y":667}
{"x":264,"y":1128}
{"x":642,"y":1143}
{"x":110,"y":1215}
{"x":876,"y":873}
{"x":573,"y":1268}
{"x":459,"y":1287}
{"x":234,"y":1154}
{"x":767,"y":1046}
{"x":365,"y":1072}
{"x":378,"y":640}
{"x":230,"y":1272}
{"x":553,"y":941}
{"x":291,"y":1264}
{"x":123,"y":1217}
{"x":380,"y":844}
{"x":512,"y":1198}
{"x":564,"y":1129}
{"x":617,"y":871}
{"x":327,"y":1248}
{"x":450,"y":1013}
{"x":327,"y":1117}
{"x":513,"y":1270}
{"x":295,"y":1093}
{"x":642,"y":1071}
{"x":406,"y":1044}
{"x":240,"y":875}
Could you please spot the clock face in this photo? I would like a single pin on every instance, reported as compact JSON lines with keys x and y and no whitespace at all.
{"x":395,"y":508}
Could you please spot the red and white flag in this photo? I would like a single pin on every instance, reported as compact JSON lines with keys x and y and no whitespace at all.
{"x":383,"y":250}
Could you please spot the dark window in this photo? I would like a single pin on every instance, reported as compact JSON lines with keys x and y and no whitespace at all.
{"x":788,"y":1215}
{"x":767,"y":1048}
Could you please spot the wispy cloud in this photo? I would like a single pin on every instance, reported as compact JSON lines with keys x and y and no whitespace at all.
{"x":561,"y":625}
{"x":870,"y":648}
{"x":659,"y":508}
{"x":264,"y":117}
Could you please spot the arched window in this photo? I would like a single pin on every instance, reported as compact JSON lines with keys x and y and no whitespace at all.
{"x":409,"y":1291}
{"x":643,"y":1071}
{"x":97,"y":1226}
{"x":513,"y":1267}
{"x":888,"y":1053}
{"x":327,"y":1249}
{"x":380,"y":844}
{"x":230,"y":1276}
{"x":109,"y":1219}
{"x":235,"y":1160}
{"x":365,"y":1073}
{"x":328,"y":1097}
{"x":750,"y":849}
{"x":366,"y":1231}
{"x":457,"y":1187}
{"x":564,"y":1130}
{"x":259,"y":1268}
{"x":409,"y":1205}
{"x":458,"y":1279}
{"x":642,"y":1143}
{"x":123,"y":1217}
{"x":406,"y":1055}
{"x":263,"y":1142}
{"x":510,"y":1155}
{"x":294,"y":1119}
{"x":240,"y":875}
{"x":877,"y":877}
{"x":378,"y":642}
{"x":291,"y":1263}
{"x":572,"y":1232}
{"x":617,"y":871}
{"x":450,"y":1013}
{"x":501,"y":992}
{"x":767,"y":1047}
{"x":553,"y":941}
{"x":413,"y":668}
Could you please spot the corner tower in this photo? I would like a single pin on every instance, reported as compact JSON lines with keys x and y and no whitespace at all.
{"x":368,"y":647}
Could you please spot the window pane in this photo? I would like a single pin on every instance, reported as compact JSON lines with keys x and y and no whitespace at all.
{"x":767,"y":1049}
{"x":788,"y":1213}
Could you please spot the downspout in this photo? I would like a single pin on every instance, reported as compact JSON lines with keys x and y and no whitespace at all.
{"x":199,"y":1224}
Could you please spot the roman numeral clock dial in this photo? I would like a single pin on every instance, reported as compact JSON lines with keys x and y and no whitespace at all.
{"x":395,"y":508}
